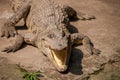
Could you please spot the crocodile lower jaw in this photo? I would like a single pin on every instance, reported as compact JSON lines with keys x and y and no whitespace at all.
{"x":60,"y":59}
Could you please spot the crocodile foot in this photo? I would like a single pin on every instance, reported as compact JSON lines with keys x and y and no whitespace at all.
{"x":15,"y":46}
{"x":7,"y":30}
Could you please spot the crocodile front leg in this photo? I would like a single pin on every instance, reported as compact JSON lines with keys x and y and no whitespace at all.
{"x":78,"y":38}
{"x":28,"y":38}
{"x":9,"y":27}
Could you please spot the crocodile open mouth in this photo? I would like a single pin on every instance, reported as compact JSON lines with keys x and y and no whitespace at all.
{"x":60,"y":59}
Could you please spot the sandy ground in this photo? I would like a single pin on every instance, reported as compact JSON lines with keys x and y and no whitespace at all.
{"x":103,"y":31}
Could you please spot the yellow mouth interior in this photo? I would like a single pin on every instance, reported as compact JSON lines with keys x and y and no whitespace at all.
{"x":60,"y":57}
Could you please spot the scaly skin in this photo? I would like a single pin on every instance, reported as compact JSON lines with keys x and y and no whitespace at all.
{"x":48,"y":25}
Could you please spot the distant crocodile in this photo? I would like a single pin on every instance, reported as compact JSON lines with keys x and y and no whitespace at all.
{"x":48,"y":25}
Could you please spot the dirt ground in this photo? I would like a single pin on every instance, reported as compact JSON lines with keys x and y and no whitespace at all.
{"x":103,"y":31}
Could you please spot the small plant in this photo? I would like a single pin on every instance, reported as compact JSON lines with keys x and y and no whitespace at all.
{"x":32,"y":75}
{"x":29,"y":75}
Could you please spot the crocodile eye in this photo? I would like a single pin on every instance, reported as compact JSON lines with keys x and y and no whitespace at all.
{"x":43,"y":39}
{"x":51,"y":36}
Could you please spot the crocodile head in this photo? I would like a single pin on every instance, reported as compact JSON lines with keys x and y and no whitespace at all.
{"x":56,"y":45}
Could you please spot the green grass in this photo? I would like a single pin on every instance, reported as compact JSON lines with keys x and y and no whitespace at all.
{"x":34,"y":75}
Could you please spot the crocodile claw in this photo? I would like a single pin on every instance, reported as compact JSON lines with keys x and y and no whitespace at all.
{"x":96,"y":51}
{"x":8,"y":31}
{"x":83,"y":16}
{"x":15,"y":46}
{"x":9,"y":49}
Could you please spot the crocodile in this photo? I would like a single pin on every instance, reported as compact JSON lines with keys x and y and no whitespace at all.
{"x":48,"y":24}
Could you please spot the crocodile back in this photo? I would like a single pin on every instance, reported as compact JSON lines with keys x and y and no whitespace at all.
{"x":45,"y":13}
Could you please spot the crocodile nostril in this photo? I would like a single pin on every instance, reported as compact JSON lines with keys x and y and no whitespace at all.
{"x":60,"y":44}
{"x":66,"y":48}
{"x":63,"y":34}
